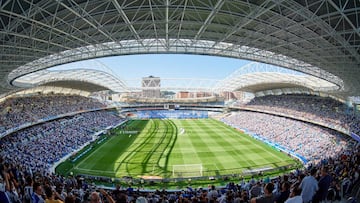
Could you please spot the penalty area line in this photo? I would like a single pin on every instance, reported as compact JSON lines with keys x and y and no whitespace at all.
{"x":91,"y":170}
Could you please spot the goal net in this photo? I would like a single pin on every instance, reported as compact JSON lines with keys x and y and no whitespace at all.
{"x":187,"y":170}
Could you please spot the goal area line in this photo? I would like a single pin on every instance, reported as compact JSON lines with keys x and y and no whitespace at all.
{"x":187,"y":170}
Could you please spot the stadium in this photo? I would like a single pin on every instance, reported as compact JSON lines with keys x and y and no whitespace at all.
{"x":284,"y":127}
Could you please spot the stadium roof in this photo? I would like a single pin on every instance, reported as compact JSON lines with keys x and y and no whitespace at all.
{"x":80,"y":85}
{"x":89,"y":75}
{"x":318,"y":37}
{"x":83,"y":79}
{"x":255,"y":77}
{"x":95,"y":76}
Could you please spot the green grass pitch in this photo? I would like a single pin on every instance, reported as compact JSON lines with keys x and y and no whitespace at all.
{"x":161,"y":144}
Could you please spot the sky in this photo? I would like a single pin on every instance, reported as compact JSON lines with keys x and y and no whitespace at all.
{"x":131,"y":67}
{"x":174,"y":70}
{"x":183,"y":67}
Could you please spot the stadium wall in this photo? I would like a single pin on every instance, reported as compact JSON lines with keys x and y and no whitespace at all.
{"x":176,"y":114}
{"x":195,"y":106}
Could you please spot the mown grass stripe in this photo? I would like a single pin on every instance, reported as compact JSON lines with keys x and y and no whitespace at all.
{"x":203,"y":142}
{"x":157,"y":147}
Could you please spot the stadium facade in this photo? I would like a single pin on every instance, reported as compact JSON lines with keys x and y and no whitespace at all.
{"x":151,"y":87}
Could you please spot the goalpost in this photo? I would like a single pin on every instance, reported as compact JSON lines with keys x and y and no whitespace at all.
{"x":187,"y":170}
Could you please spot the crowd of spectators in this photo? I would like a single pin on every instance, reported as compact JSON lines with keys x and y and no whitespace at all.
{"x":325,"y":110}
{"x":312,"y":142}
{"x":19,"y":110}
{"x":26,"y":156}
{"x":332,"y":179}
{"x":38,"y":147}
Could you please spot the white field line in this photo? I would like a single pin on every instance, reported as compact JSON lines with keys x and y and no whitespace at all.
{"x":91,"y":153}
{"x":98,"y":171}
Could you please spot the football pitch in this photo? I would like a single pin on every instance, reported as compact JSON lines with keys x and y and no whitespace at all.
{"x":179,"y":148}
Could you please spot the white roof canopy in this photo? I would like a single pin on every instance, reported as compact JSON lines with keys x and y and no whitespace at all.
{"x":318,"y":37}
